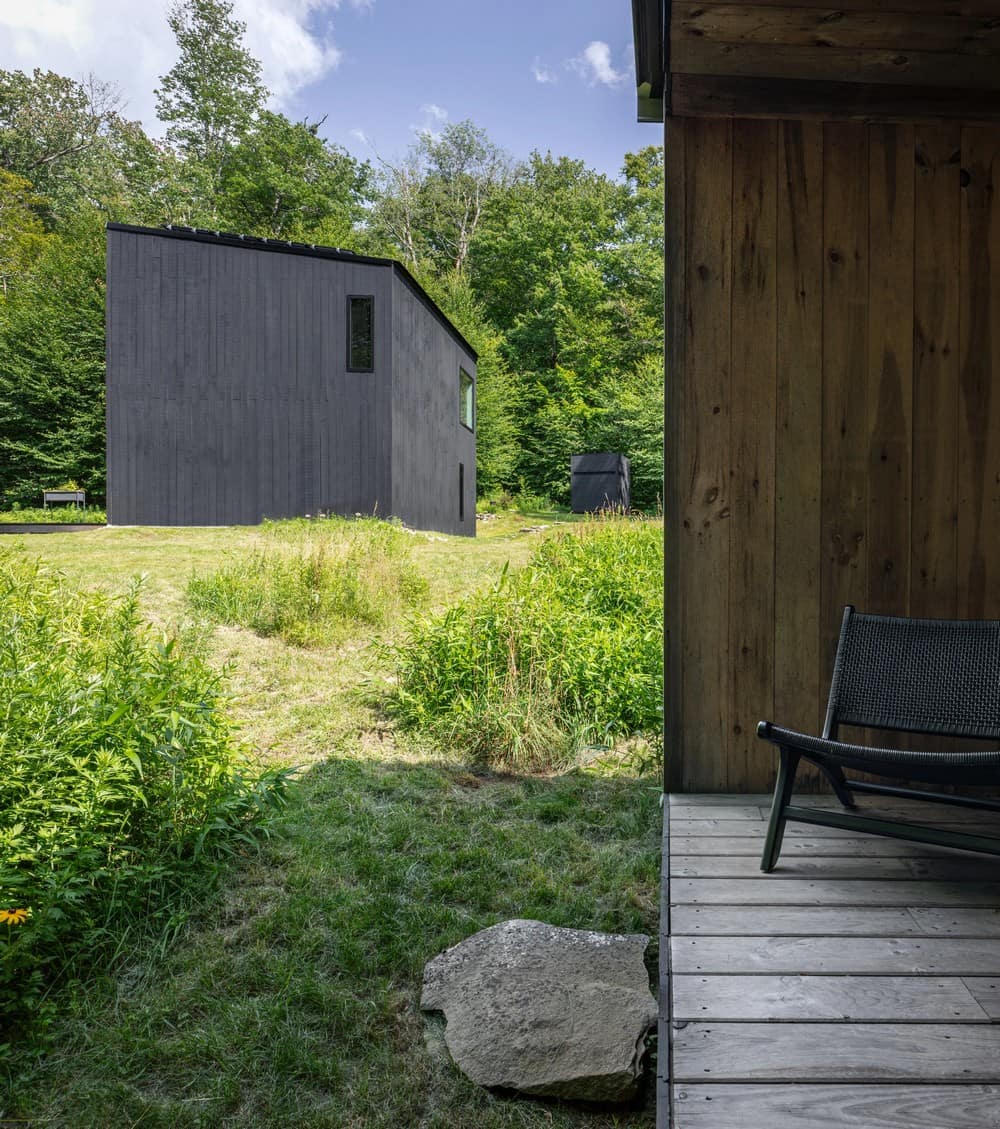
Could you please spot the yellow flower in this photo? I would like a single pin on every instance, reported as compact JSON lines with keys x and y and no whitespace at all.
{"x":14,"y":916}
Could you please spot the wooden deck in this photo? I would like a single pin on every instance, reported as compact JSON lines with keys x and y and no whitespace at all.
{"x":858,"y":985}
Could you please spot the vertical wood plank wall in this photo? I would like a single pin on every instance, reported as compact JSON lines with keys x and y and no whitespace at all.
{"x":833,"y":431}
{"x":228,"y":395}
{"x":429,"y":442}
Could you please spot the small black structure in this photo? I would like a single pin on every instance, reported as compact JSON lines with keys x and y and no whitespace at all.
{"x":251,"y":378}
{"x":599,"y":482}
{"x":931,"y":676}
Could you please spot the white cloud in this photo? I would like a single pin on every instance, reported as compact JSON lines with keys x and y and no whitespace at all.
{"x":434,"y":111}
{"x":129,"y":43}
{"x":434,"y":116}
{"x":542,"y":73}
{"x":594,"y":65}
{"x":360,"y":136}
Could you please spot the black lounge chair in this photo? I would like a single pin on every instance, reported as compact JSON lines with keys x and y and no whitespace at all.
{"x":931,"y":676}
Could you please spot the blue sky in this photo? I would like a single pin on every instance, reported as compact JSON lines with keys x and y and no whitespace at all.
{"x":536,"y":75}
{"x":517,"y":68}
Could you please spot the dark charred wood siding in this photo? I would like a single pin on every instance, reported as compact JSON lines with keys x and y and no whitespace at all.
{"x":429,"y":442}
{"x":229,"y":395}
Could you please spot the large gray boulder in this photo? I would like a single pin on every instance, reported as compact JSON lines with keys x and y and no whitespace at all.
{"x":546,"y":1011}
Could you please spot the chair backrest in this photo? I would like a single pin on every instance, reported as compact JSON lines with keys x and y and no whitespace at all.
{"x":918,"y":675}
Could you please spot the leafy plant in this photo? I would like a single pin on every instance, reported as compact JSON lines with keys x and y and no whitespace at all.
{"x":92,"y":515}
{"x":122,"y":787}
{"x":567,"y":650}
{"x":313,"y":579}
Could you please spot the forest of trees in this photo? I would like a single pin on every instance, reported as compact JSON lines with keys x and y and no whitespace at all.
{"x":553,"y":271}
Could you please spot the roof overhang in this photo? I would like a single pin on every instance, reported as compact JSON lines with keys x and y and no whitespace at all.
{"x":934,"y":61}
{"x":649,"y":20}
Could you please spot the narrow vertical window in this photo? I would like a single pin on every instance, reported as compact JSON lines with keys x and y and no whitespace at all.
{"x":466,"y":399}
{"x":360,"y":333}
{"x":461,"y":491}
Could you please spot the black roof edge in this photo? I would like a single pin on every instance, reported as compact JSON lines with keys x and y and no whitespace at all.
{"x":428,"y":301}
{"x":314,"y":250}
{"x":651,"y":29}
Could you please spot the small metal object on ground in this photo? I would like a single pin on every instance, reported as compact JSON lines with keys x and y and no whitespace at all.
{"x":62,"y":497}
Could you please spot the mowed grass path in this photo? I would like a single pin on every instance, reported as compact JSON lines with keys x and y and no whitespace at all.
{"x":291,"y":999}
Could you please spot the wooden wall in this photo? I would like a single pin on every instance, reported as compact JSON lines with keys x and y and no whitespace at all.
{"x":229,"y":398}
{"x":428,"y":439}
{"x":795,"y":58}
{"x":833,"y":415}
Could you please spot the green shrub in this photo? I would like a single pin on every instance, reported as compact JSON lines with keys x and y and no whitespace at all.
{"x":569,"y":649}
{"x":121,"y":785}
{"x":313,"y":580}
{"x":91,"y":516}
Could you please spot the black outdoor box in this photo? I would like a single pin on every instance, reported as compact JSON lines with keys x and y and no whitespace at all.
{"x":599,"y":482}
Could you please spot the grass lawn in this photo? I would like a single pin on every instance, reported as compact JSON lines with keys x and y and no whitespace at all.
{"x":290,"y":997}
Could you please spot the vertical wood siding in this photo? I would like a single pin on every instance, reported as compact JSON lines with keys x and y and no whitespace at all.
{"x":833,"y":433}
{"x":429,"y":442}
{"x":228,"y":395}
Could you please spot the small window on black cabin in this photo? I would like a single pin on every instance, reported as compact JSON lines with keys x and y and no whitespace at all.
{"x":466,"y":399}
{"x":360,"y":334}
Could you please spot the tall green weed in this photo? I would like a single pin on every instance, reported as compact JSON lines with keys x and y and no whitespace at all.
{"x":122,"y":787}
{"x":313,"y":579}
{"x":92,"y":515}
{"x":566,"y":651}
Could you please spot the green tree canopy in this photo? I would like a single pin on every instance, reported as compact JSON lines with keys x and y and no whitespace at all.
{"x":564,"y":261}
{"x":52,"y":368}
{"x":283,"y":180}
{"x":212,"y":95}
{"x":431,"y":202}
{"x":60,"y":135}
{"x":553,"y":271}
{"x":22,"y":235}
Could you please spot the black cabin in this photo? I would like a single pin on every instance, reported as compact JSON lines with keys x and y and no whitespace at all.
{"x":252,"y":378}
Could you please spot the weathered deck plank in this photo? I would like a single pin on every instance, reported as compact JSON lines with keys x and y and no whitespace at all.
{"x":852,"y":955}
{"x":821,"y":921}
{"x":858,"y":985}
{"x":986,"y":991}
{"x":718,"y":811}
{"x":851,"y":1106}
{"x":958,"y":922}
{"x":835,"y":921}
{"x":860,"y":999}
{"x":835,"y":1052}
{"x":746,"y":828}
{"x":956,"y":869}
{"x":789,"y":891}
{"x":843,"y":846}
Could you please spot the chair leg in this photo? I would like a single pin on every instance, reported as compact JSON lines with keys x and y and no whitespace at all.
{"x":835,"y":774}
{"x":787,"y":765}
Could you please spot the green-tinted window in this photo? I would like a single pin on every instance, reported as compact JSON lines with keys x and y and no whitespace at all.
{"x":466,"y":399}
{"x":360,"y":333}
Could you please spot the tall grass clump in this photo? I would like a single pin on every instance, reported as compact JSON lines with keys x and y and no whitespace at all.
{"x":566,"y":651}
{"x":122,"y":787}
{"x":313,"y":579}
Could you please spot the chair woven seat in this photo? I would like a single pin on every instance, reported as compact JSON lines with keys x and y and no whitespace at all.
{"x":928,"y":676}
